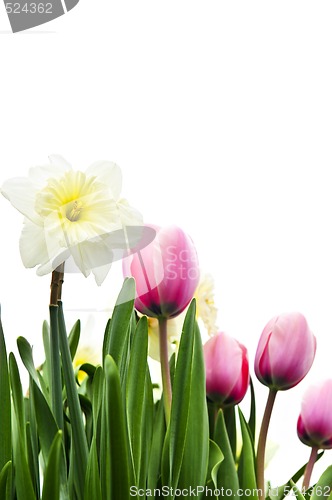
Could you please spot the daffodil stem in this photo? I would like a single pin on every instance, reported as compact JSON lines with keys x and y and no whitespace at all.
{"x":56,"y":382}
{"x":309,"y":468}
{"x":56,"y":284}
{"x":262,"y":444}
{"x":165,"y":373}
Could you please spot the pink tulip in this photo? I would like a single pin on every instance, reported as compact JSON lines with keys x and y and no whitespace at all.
{"x":285,"y":351}
{"x":166,"y":273}
{"x":227,"y":370}
{"x":314,"y":426}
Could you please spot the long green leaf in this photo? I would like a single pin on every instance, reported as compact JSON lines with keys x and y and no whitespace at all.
{"x":246,"y":470}
{"x":188,"y":430}
{"x":215,"y":459}
{"x":177,"y":430}
{"x":252,"y":416}
{"x":92,"y":481}
{"x":5,"y":413}
{"x":158,"y":437}
{"x":117,"y":335}
{"x":115,"y":435}
{"x":52,"y":480}
{"x":18,"y":401}
{"x":46,"y":424}
{"x":227,"y":474}
{"x":281,"y":491}
{"x":25,"y":351}
{"x":324,"y":485}
{"x":76,"y":418}
{"x":194,"y":465}
{"x":5,"y":476}
{"x":23,"y":482}
{"x":135,"y":394}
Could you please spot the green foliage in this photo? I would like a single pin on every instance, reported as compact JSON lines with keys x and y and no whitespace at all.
{"x":107,"y":438}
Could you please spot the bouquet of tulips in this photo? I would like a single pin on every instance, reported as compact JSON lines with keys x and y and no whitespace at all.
{"x":109,"y":436}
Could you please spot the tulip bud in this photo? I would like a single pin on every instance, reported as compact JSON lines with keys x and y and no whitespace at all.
{"x":285,"y":351}
{"x":314,"y":426}
{"x":227,"y":370}
{"x":166,"y":273}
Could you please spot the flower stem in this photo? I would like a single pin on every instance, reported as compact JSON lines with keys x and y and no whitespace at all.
{"x":56,"y":284}
{"x":309,"y":468}
{"x":262,"y":444}
{"x":56,"y":382}
{"x":165,"y":373}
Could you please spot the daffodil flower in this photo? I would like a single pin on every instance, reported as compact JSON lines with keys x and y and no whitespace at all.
{"x":70,"y":216}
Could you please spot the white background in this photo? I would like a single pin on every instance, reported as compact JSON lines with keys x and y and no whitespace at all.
{"x":219,"y":114}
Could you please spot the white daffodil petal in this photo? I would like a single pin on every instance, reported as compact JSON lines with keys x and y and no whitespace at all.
{"x":100,"y":273}
{"x":21,"y":193}
{"x":41,"y":174}
{"x":108,"y":173}
{"x":128,"y":215}
{"x":60,"y":163}
{"x":33,"y":247}
{"x":51,"y":265}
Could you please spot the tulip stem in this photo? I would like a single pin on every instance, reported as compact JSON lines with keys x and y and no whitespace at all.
{"x":165,"y":373}
{"x":309,"y":468}
{"x":262,"y":444}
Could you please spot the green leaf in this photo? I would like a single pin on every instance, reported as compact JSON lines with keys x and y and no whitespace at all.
{"x":33,"y":460}
{"x":5,"y":476}
{"x":215,"y":459}
{"x":158,"y":437}
{"x":25,"y":351}
{"x":135,"y":392}
{"x":247,"y":470}
{"x":147,"y":429}
{"x":227,"y":474}
{"x":281,"y":491}
{"x":188,"y":430}
{"x":46,"y":425}
{"x":74,"y":338}
{"x":297,"y":492}
{"x":323,"y":486}
{"x":230,"y":422}
{"x":117,"y":335}
{"x":194,"y":465}
{"x":23,"y":482}
{"x":5,"y":413}
{"x":79,"y":440}
{"x":52,"y":480}
{"x":92,"y":487}
{"x":252,"y":416}
{"x":18,"y":401}
{"x":115,"y":455}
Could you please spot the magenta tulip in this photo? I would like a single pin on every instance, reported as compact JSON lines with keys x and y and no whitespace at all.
{"x":314,"y":426}
{"x":285,"y":351}
{"x":166,"y":273}
{"x":227,"y":370}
